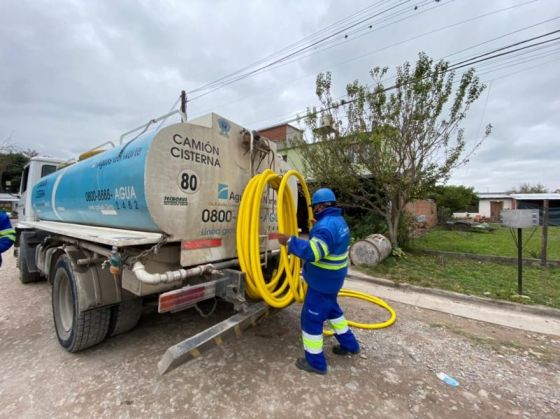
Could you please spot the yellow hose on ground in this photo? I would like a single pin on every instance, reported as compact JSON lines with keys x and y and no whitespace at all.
{"x":285,"y":286}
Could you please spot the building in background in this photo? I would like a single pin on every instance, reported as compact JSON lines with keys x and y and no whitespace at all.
{"x":8,"y":203}
{"x":491,"y":204}
{"x":536,"y":201}
{"x":287,"y":139}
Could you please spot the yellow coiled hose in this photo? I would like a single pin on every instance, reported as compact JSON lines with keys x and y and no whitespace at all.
{"x":285,"y":286}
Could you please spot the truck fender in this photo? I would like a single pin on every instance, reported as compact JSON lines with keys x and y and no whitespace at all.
{"x":97,"y":287}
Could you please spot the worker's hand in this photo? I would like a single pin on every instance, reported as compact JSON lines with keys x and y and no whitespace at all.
{"x":283,"y":239}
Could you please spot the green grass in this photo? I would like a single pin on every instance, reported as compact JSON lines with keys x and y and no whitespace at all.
{"x":491,"y":280}
{"x":497,"y":243}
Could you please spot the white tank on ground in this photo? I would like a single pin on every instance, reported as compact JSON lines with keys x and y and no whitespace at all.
{"x":371,"y":250}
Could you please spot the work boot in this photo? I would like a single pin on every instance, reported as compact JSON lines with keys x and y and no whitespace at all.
{"x":340,"y":351}
{"x":302,"y":364}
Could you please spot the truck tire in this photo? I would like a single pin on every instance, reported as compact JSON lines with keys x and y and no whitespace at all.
{"x":125,"y":316}
{"x":25,"y":276}
{"x":75,"y":330}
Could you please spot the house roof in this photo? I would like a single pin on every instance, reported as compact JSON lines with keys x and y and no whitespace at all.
{"x":278,"y":126}
{"x":535,"y":196}
{"x":494,"y":195}
{"x":8,"y":197}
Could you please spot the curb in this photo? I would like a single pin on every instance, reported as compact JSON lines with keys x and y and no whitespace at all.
{"x":533,"y":309}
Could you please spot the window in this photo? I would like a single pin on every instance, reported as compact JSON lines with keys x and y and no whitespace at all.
{"x":47,"y":169}
{"x":23,"y":185}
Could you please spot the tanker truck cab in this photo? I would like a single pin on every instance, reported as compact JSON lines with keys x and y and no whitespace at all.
{"x":150,"y":219}
{"x":37,"y":168}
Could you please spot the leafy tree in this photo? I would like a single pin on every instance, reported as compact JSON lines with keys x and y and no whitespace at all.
{"x":403,"y":139}
{"x":11,"y":167}
{"x":455,"y":198}
{"x":528,"y":188}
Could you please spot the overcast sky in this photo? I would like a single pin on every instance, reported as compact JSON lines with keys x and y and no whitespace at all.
{"x":74,"y":74}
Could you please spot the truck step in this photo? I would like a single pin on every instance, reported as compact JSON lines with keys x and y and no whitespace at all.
{"x":192,"y":347}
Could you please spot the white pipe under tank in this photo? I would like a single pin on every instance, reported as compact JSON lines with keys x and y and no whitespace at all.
{"x":170,"y":276}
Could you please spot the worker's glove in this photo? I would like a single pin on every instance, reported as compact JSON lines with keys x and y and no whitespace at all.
{"x":283,"y":239}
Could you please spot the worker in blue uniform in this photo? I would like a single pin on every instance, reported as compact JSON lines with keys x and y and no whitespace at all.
{"x":7,"y":234}
{"x":325,"y":257}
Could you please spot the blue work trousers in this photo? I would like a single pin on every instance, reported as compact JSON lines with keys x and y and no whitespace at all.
{"x":318,"y":307}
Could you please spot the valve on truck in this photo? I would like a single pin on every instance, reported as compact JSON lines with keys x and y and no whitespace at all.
{"x":115,"y":262}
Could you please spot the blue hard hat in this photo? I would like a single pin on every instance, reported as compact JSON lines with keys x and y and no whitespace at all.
{"x":323,"y":195}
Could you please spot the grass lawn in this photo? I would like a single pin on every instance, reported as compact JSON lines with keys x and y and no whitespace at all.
{"x":472,"y":277}
{"x":497,"y":243}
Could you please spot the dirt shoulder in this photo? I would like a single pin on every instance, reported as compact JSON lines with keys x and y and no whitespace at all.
{"x":503,"y":372}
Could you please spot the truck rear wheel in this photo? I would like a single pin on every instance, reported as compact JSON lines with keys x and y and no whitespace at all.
{"x":75,"y":330}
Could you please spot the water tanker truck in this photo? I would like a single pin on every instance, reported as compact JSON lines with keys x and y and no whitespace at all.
{"x":150,"y":218}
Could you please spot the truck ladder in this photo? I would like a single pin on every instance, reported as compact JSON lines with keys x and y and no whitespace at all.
{"x":192,"y":347}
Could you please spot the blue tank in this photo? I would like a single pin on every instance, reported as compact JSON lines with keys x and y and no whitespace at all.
{"x":105,"y":190}
{"x":184,"y":180}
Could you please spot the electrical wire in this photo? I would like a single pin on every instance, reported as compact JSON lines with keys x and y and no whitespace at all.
{"x":415,"y":38}
{"x":296,"y":53}
{"x":490,"y":55}
{"x":289,"y":47}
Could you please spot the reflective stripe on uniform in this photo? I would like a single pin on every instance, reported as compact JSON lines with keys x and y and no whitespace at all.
{"x":339,"y":325}
{"x":9,"y":233}
{"x":337,"y":258}
{"x":312,"y":343}
{"x":315,"y":250}
{"x":322,"y":244}
{"x":330,"y":266}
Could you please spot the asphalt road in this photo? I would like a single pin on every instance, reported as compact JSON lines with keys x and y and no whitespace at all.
{"x":503,"y":372}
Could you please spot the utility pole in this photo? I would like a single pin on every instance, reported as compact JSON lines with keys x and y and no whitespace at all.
{"x":184,"y":105}
{"x":520,"y":261}
{"x":544,"y":241}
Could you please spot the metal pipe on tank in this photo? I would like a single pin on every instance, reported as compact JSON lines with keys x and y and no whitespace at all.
{"x":252,"y":139}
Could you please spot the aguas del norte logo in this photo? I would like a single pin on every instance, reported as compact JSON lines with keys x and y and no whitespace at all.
{"x":224,"y":193}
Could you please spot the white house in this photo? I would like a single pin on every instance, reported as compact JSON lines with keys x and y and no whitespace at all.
{"x":491,"y":204}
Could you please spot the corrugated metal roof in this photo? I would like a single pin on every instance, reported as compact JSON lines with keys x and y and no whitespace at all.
{"x":535,"y":196}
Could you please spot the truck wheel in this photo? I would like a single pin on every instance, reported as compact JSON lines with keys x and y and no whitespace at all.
{"x":25,"y":276}
{"x":125,"y":316}
{"x":75,"y":330}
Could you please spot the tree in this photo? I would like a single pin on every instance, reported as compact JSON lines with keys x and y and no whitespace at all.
{"x":395,"y":138}
{"x":455,"y":198}
{"x":11,"y":167}
{"x":528,"y":188}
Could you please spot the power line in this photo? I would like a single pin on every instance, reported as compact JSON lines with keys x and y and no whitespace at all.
{"x":289,"y":47}
{"x":420,"y":36}
{"x":298,"y":48}
{"x":503,"y":36}
{"x":486,"y":57}
{"x":457,"y":66}
{"x":438,"y":30}
{"x":509,"y":46}
{"x":296,"y":53}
